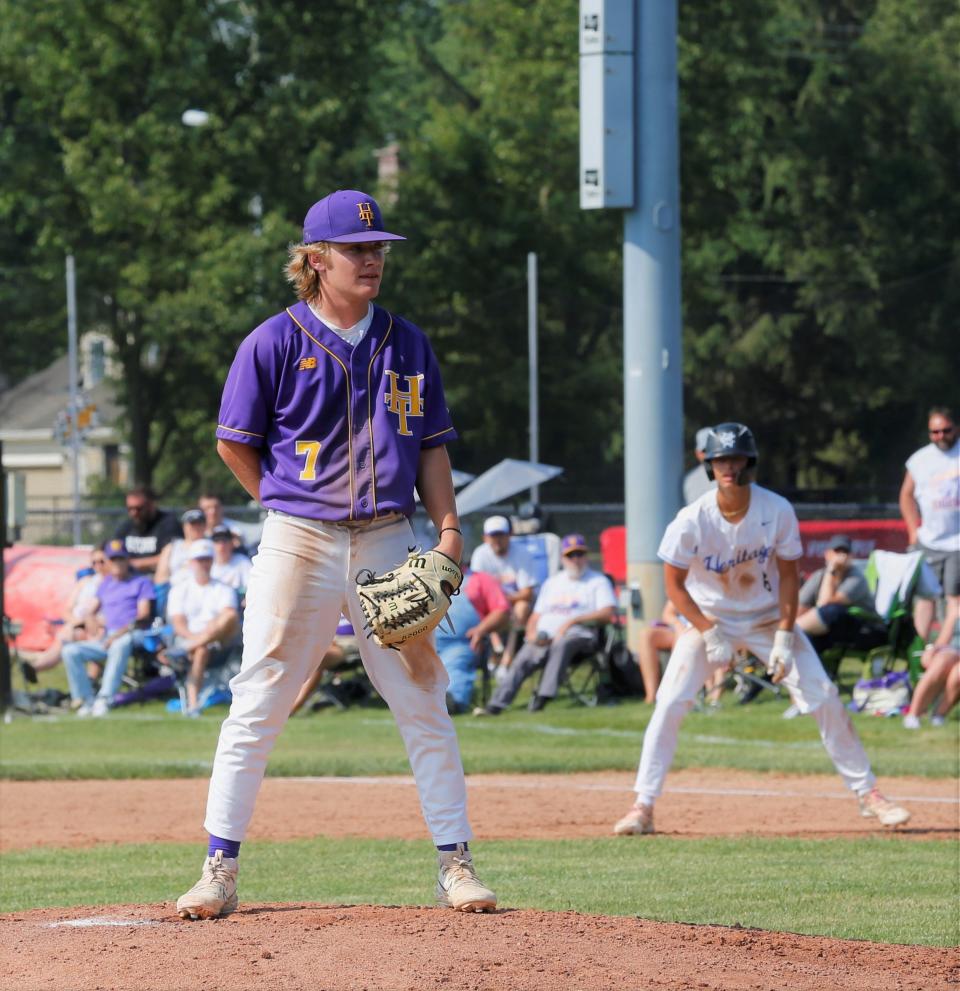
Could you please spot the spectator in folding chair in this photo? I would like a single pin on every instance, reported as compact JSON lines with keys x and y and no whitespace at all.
{"x":569,"y":608}
{"x":827,"y":596}
{"x":125,"y":601}
{"x":343,"y":650}
{"x":941,"y":676}
{"x":78,"y":622}
{"x":511,"y":566}
{"x":205,"y":620}
{"x":479,"y":610}
{"x":230,"y":566}
{"x":660,"y":635}
{"x":173,"y":565}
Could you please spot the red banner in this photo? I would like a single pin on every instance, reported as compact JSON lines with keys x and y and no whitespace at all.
{"x":39,"y":582}
{"x":865,"y":536}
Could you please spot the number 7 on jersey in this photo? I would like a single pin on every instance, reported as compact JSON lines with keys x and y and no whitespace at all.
{"x":310,"y":451}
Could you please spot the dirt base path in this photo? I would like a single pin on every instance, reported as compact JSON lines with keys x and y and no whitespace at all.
{"x":696,"y":803}
{"x":361,"y":948}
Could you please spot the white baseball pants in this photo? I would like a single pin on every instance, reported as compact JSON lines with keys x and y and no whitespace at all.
{"x":303,"y":577}
{"x":811,"y":690}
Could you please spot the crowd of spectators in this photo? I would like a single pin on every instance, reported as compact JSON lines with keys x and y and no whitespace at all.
{"x":177,"y":582}
{"x":508,"y":622}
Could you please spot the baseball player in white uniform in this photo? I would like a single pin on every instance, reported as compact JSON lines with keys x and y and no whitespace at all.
{"x":332,"y":412}
{"x":730,"y":568}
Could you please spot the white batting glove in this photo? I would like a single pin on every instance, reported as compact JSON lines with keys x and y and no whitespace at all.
{"x":781,"y":657}
{"x":719,"y":650}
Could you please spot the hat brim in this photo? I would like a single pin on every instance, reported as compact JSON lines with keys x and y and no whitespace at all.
{"x":364,"y":236}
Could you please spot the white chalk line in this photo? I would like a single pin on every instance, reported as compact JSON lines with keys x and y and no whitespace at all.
{"x":586,"y":786}
{"x":99,"y":920}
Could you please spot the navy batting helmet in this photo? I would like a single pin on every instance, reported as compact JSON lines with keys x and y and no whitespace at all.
{"x":731,"y":439}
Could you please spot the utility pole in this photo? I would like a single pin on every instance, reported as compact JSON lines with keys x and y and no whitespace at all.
{"x":533,"y":385}
{"x":629,"y":158}
{"x":73,"y":418}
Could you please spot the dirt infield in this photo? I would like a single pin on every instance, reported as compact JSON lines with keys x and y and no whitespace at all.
{"x":309,"y":946}
{"x":696,"y":803}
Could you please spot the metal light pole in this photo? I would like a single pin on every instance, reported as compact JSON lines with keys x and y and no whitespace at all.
{"x":629,"y":159}
{"x":73,"y":419}
{"x":534,"y":368}
{"x":653,"y":366}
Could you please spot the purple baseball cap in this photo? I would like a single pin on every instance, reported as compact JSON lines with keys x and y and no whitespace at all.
{"x":346,"y":217}
{"x":573,"y":542}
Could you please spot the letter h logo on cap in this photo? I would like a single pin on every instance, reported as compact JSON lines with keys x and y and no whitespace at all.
{"x":366,"y":213}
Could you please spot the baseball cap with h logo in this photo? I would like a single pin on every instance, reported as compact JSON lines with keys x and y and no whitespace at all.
{"x":346,"y":217}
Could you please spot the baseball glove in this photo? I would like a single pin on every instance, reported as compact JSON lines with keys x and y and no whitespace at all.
{"x":410,"y":600}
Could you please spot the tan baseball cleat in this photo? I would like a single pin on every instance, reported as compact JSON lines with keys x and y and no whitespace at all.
{"x":637,"y":822}
{"x":215,"y":894}
{"x":874,"y":806}
{"x":458,"y":886}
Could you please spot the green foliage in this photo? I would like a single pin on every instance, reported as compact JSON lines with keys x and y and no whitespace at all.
{"x":837,"y":888}
{"x":820,"y":210}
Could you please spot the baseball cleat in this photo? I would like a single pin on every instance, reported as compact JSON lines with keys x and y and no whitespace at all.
{"x":874,"y":806}
{"x":637,"y":822}
{"x":215,"y":894}
{"x":458,"y":886}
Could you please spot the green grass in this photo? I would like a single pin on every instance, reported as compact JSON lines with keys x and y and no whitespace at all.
{"x":147,"y":742}
{"x":874,"y":888}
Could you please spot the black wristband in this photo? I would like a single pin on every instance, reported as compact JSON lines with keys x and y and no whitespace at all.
{"x":455,"y":529}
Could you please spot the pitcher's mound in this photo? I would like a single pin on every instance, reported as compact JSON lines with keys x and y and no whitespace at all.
{"x":348,"y":948}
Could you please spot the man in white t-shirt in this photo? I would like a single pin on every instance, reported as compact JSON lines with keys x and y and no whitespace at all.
{"x":511,"y":566}
{"x":696,"y":481}
{"x":570,"y":607}
{"x":730,"y":569}
{"x":204,"y":616}
{"x":930,"y":506}
{"x":229,"y":565}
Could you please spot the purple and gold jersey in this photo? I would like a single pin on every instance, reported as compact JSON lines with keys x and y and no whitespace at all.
{"x":339,"y":428}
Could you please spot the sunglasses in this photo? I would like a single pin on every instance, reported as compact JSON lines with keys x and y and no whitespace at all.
{"x":576,"y":554}
{"x":942,"y":430}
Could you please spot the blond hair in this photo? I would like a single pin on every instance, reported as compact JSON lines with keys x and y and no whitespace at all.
{"x":300,"y":274}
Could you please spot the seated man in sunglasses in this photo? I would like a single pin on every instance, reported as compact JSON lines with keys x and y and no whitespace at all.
{"x":570,"y":607}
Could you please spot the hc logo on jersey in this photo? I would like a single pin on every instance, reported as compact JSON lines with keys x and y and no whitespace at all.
{"x":404,"y":404}
{"x":366,"y":214}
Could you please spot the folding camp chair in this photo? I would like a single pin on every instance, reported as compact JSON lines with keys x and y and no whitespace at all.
{"x":895,"y":580}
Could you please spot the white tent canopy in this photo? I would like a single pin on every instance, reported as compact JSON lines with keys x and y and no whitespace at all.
{"x":502,"y":481}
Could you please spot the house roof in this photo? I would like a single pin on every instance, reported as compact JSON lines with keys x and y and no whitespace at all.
{"x":34,"y":403}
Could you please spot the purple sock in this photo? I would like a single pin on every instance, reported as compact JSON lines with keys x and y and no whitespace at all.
{"x":447,"y":847}
{"x":231,"y":848}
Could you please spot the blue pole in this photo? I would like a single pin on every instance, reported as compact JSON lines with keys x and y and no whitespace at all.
{"x":653,"y":380}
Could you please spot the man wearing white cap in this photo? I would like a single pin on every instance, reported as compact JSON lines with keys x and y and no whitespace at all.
{"x":513,"y":569}
{"x":205,"y":618}
{"x":696,"y":481}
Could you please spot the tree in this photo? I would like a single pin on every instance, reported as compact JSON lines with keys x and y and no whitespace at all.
{"x":179,"y":234}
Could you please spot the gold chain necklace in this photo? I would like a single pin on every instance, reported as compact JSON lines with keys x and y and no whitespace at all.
{"x":733,"y":512}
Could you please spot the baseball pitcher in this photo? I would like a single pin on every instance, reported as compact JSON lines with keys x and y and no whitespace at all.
{"x":333,"y":412}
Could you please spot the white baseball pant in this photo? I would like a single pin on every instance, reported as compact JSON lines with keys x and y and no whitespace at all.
{"x":811,"y":690}
{"x":303,"y":577}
